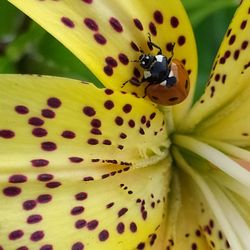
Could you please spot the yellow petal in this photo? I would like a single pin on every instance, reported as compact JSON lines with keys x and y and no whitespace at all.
{"x":113,"y":213}
{"x":54,"y":121}
{"x":230,"y":76}
{"x":208,"y":205}
{"x":107,"y":36}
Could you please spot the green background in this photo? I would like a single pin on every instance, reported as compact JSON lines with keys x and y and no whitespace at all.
{"x":27,"y":48}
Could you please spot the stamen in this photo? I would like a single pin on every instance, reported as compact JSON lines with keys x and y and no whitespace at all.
{"x":220,"y":160}
{"x":211,"y":199}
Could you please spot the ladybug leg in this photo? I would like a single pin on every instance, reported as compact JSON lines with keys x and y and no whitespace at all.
{"x":172,"y":53}
{"x":150,"y":43}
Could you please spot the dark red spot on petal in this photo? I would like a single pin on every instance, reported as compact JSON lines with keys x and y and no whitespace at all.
{"x":12,"y":191}
{"x":138,"y":24}
{"x":103,"y":235}
{"x":152,"y":29}
{"x":77,"y":210}
{"x":68,"y":22}
{"x":17,"y":178}
{"x":36,"y":121}
{"x":47,"y":113}
{"x":100,"y":39}
{"x":120,"y":227}
{"x":111,"y":61}
{"x":127,"y":108}
{"x":75,"y":159}
{"x":77,"y":246}
{"x":108,"y":104}
{"x":232,"y":39}
{"x":91,"y":24}
{"x":45,"y":177}
{"x":122,"y":211}
{"x":17,"y":234}
{"x":123,"y":58}
{"x":134,"y":46}
{"x":53,"y":184}
{"x":22,"y":110}
{"x":39,"y":132}
{"x":80,"y":224}
{"x":119,"y":121}
{"x":181,"y":40}
{"x":91,"y":225}
{"x":92,"y":141}
{"x":107,"y":142}
{"x":54,"y":102}
{"x":108,"y":70}
{"x":89,"y":111}
{"x":131,"y":123}
{"x":34,"y":218}
{"x":174,"y":22}
{"x":158,"y":17}
{"x":36,"y":236}
{"x":44,"y":198}
{"x":68,"y":134}
{"x":48,"y":146}
{"x":46,"y":247}
{"x":116,"y":25}
{"x":29,"y":204}
{"x":81,"y":196}
{"x":39,"y":162}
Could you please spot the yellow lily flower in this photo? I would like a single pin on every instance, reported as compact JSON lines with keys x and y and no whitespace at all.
{"x":88,"y":168}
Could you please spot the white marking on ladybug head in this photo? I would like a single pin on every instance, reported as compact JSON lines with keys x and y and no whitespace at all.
{"x":159,"y":58}
{"x":146,"y":74}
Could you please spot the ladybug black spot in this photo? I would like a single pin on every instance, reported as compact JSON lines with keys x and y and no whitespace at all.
{"x":155,"y":98}
{"x":172,"y":99}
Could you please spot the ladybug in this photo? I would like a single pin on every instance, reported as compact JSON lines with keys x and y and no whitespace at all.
{"x":168,"y":80}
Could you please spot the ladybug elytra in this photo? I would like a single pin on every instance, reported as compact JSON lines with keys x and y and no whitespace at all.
{"x":168,"y":80}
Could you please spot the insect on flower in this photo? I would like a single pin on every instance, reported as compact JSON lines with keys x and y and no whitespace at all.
{"x":167,"y":78}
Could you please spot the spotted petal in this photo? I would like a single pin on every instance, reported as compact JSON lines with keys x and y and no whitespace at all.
{"x":228,"y":85}
{"x":204,"y":216}
{"x":49,"y":120}
{"x":107,"y":36}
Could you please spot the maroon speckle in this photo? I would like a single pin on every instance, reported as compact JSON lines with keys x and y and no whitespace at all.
{"x":92,"y":141}
{"x":46,"y":247}
{"x":96,"y":123}
{"x":91,"y":225}
{"x":77,"y":246}
{"x":47,"y":113}
{"x":138,"y":24}
{"x":107,"y":142}
{"x":123,"y":136}
{"x":81,"y":196}
{"x":103,"y":235}
{"x":141,"y":131}
{"x":134,"y":46}
{"x":181,"y":40}
{"x":137,"y":73}
{"x":54,"y":102}
{"x":152,"y":29}
{"x":123,"y":58}
{"x":100,"y":39}
{"x":122,"y":211}
{"x":244,"y":45}
{"x":236,"y":54}
{"x":111,"y":204}
{"x":120,"y":227}
{"x":88,"y":178}
{"x":116,"y":25}
{"x":36,"y":236}
{"x":119,"y":121}
{"x":108,"y":104}
{"x":7,"y":134}
{"x":39,"y":162}
{"x":39,"y":132}
{"x":75,"y":159}
{"x":169,"y":47}
{"x":143,"y":119}
{"x":174,"y":22}
{"x":144,"y":215}
{"x":158,"y":17}
{"x":35,"y":121}
{"x":87,"y":1}
{"x":131,"y":123}
{"x":12,"y":191}
{"x":34,"y":218}
{"x":68,"y":134}
{"x":109,"y":91}
{"x":48,"y":146}
{"x":89,"y":111}
{"x":80,"y":224}
{"x":77,"y":210}
{"x":53,"y":184}
{"x":127,"y":108}
{"x":194,"y":246}
{"x":141,"y":246}
{"x":232,"y":39}
{"x":111,"y":61}
{"x":243,"y":24}
{"x":44,"y":198}
{"x":68,"y":22}
{"x":22,"y":110}
{"x":91,"y":24}
{"x":19,"y":248}
{"x":17,"y":234}
{"x":45,"y":177}
{"x":17,"y":178}
{"x":29,"y":204}
{"x":108,"y":70}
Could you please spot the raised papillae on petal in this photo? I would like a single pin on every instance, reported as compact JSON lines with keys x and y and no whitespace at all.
{"x":68,"y":159}
{"x":223,"y":111}
{"x":107,"y":36}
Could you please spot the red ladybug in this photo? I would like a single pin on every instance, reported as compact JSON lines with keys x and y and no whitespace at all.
{"x":168,"y":80}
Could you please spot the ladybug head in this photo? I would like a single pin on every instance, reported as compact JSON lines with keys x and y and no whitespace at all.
{"x":146,"y":61}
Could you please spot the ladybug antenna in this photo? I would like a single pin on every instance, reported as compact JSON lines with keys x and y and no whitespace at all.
{"x":134,"y":61}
